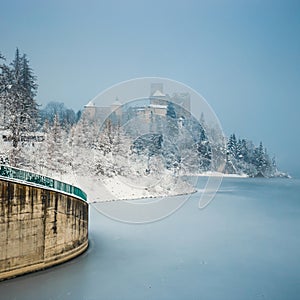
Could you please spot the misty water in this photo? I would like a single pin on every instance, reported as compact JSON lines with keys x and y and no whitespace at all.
{"x":244,"y":245}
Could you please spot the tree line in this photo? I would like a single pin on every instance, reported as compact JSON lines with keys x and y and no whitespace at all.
{"x":21,"y":117}
{"x":56,"y":139}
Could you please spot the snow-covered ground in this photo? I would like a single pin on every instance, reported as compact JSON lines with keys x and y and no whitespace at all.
{"x":218,"y":174}
{"x":118,"y":188}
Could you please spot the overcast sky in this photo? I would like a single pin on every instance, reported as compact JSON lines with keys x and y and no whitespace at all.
{"x":242,"y":56}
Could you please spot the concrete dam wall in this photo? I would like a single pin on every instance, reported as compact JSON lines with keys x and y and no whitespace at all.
{"x":39,"y":227}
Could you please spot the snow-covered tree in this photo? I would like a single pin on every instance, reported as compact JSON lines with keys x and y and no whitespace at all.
{"x":5,"y":86}
{"x":172,"y":144}
{"x":55,"y":147}
{"x":82,"y":138}
{"x":172,"y":122}
{"x":29,"y":89}
{"x":232,"y":146}
{"x":19,"y":108}
{"x":67,"y":117}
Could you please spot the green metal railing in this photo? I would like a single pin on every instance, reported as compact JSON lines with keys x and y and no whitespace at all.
{"x":30,"y":177}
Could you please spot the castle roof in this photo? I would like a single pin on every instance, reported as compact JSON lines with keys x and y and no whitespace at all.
{"x":90,"y":104}
{"x":158,"y":93}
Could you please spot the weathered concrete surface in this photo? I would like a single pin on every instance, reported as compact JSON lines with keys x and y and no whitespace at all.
{"x":39,"y":228}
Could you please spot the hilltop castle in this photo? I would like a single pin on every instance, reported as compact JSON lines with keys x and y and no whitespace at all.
{"x":157,"y":105}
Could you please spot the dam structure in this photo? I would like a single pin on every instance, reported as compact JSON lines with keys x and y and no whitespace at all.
{"x":43,"y":222}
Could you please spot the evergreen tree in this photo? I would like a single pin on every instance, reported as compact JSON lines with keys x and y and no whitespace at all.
{"x":67,"y":117}
{"x":239,"y":145}
{"x":232,"y":146}
{"x":244,"y":152}
{"x":170,"y":137}
{"x":5,"y":85}
{"x":204,"y":150}
{"x":16,"y":67}
{"x":274,"y":166}
{"x":19,"y":106}
{"x":259,"y":159}
{"x":172,"y":125}
{"x":15,"y":102}
{"x":29,"y":89}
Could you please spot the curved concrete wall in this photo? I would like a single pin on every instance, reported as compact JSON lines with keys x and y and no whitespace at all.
{"x":39,"y":228}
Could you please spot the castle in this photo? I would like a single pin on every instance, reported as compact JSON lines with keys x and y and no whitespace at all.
{"x":157,"y":105}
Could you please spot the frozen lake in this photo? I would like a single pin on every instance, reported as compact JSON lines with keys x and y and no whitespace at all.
{"x":244,"y":245}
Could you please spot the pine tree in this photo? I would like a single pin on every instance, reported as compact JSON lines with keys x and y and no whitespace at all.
{"x":239,"y":146}
{"x":29,"y":90}
{"x":260,"y":159}
{"x":172,"y":124}
{"x":20,"y":108}
{"x":274,"y":166}
{"x":67,"y":117}
{"x":5,"y":86}
{"x":204,"y":150}
{"x":15,"y":105}
{"x":170,"y":137}
{"x":16,"y":67}
{"x":244,"y":152}
{"x":232,"y":146}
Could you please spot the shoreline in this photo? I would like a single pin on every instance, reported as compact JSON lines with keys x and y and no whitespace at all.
{"x":115,"y":188}
{"x":219,"y":174}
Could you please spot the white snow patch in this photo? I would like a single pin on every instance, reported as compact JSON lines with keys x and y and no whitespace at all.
{"x":115,"y":188}
{"x":219,"y":174}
